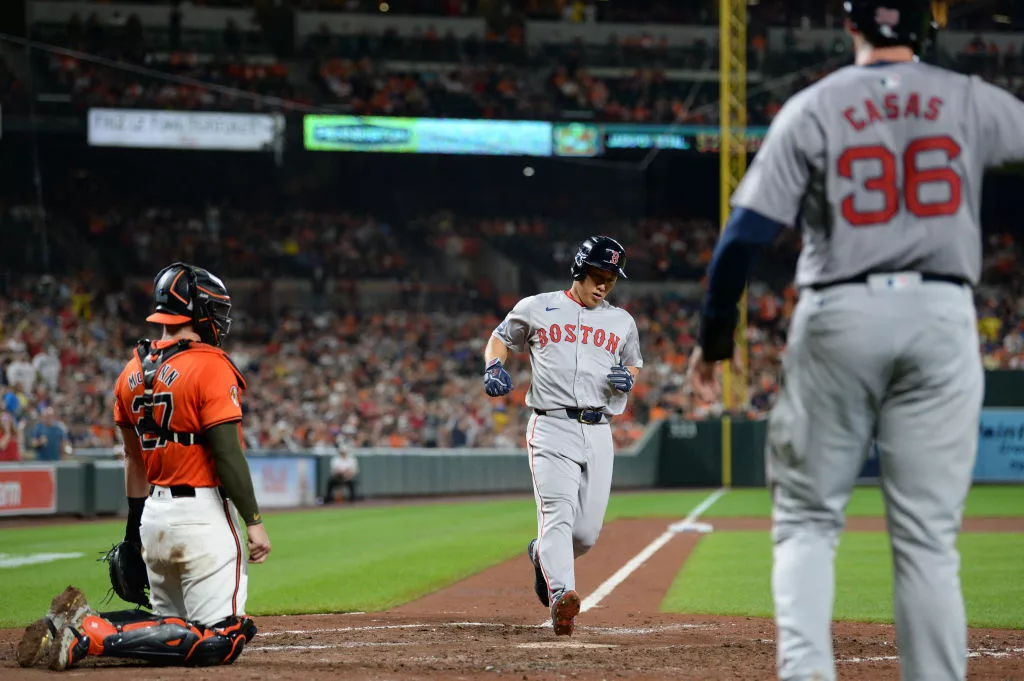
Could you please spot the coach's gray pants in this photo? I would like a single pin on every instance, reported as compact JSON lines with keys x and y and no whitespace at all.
{"x":571,"y":463}
{"x":897,"y":363}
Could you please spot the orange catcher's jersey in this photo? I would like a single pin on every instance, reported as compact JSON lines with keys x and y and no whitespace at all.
{"x":194,"y":390}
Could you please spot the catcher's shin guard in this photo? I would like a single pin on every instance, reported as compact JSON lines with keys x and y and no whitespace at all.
{"x":170,"y":640}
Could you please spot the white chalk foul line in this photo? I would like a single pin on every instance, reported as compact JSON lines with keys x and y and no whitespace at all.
{"x":373,"y":627}
{"x":618,"y":631}
{"x":703,"y":506}
{"x":639,"y":559}
{"x":329,"y":646}
{"x":623,"y":573}
{"x":981,"y":652}
{"x":8,"y":560}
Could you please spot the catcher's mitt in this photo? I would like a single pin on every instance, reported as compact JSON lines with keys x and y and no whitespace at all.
{"x":128,"y":575}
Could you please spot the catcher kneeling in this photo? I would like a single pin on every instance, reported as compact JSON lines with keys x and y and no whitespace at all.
{"x":178,"y":406}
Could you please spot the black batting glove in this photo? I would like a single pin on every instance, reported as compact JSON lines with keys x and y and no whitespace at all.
{"x":621,"y":378}
{"x":497,"y":381}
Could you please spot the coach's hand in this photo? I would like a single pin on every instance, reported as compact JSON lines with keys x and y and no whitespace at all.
{"x":703,"y":378}
{"x":259,"y":543}
{"x":621,"y":378}
{"x":497,"y":382}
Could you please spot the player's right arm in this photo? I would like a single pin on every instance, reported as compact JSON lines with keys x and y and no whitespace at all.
{"x":767,"y":200}
{"x":1000,"y":122}
{"x":136,"y":483}
{"x":136,"y":480}
{"x":775,"y":185}
{"x":495,"y":350}
{"x":512,"y":334}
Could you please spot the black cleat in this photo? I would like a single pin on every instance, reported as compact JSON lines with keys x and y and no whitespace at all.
{"x":540,"y":585}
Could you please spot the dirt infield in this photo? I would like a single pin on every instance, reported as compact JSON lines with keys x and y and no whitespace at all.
{"x":491,"y":626}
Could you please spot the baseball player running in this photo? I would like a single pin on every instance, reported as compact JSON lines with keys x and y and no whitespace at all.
{"x":881,"y":164}
{"x":584,"y":358}
{"x":178,"y":404}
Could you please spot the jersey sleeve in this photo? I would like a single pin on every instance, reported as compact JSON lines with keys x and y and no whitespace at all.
{"x":122,"y":410}
{"x":778,"y":177}
{"x":631,"y":356}
{"x":220,"y":398}
{"x":514,"y":330}
{"x":1000,"y":117}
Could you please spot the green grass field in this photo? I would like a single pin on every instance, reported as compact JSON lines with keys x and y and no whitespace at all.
{"x":729,"y":573}
{"x":983,"y":502}
{"x":369,"y":558}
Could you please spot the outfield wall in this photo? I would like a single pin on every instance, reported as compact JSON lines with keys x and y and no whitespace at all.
{"x":94,"y":483}
{"x":693,"y":453}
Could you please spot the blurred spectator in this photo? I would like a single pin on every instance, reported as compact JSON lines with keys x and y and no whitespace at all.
{"x":49,"y":438}
{"x":10,"y":436}
{"x":47,"y":367}
{"x":13,"y":402}
{"x":20,"y":373}
{"x":345,"y":474}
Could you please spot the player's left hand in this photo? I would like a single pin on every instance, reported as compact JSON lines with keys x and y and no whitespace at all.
{"x":621,"y":378}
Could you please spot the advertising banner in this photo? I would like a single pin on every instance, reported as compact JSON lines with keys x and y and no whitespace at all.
{"x":383,"y":134}
{"x":1000,"y":449}
{"x":284,"y":481}
{"x":144,"y":129}
{"x":592,"y":139}
{"x":27,"y":490}
{"x":1000,"y":446}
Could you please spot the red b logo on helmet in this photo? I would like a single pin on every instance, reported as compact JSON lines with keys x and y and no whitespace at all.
{"x":887,"y":17}
{"x":614,"y":258}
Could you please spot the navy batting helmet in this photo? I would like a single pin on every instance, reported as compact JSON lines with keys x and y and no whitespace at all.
{"x":602,"y":252}
{"x":886,"y":23}
{"x":185,"y":294}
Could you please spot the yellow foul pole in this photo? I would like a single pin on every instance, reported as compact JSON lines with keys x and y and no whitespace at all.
{"x":733,"y":70}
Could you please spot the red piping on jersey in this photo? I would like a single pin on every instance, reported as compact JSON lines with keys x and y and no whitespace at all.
{"x":533,"y":474}
{"x":238,"y":559}
{"x":569,"y":296}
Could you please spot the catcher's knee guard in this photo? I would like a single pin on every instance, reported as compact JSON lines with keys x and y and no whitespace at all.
{"x":170,"y":640}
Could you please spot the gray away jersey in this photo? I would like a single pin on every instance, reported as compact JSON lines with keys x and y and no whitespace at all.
{"x":883,"y":165}
{"x":572,"y":347}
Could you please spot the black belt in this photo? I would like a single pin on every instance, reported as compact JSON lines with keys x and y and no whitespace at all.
{"x":863,"y":279}
{"x":591,"y":416}
{"x":186,"y":439}
{"x":179,"y":491}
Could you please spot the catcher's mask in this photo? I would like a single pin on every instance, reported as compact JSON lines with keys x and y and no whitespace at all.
{"x":186,"y":294}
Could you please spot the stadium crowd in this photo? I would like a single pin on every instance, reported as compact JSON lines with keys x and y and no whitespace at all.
{"x":235,"y":242}
{"x":675,"y":249}
{"x":439,"y":76}
{"x":431,"y":73}
{"x":803,"y":13}
{"x":388,"y":378}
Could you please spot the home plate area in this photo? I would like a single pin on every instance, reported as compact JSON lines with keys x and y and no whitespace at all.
{"x":491,"y":625}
